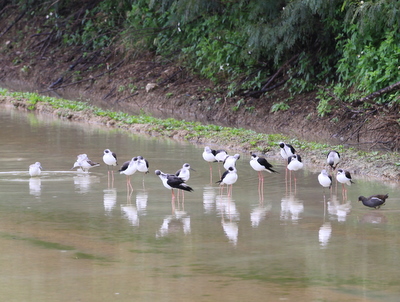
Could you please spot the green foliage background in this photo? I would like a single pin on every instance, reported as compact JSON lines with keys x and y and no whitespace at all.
{"x":351,"y":46}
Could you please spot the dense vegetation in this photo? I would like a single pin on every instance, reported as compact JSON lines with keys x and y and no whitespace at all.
{"x":346,"y":49}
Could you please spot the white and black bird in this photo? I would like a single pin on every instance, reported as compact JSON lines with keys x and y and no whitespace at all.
{"x":84,"y":163}
{"x":294,"y":164}
{"x":129,"y":168}
{"x":35,"y":169}
{"x":142,"y":165}
{"x":220,"y":155}
{"x":171,"y":182}
{"x":374,"y":201}
{"x":286,"y":150}
{"x":230,"y":161}
{"x":184,"y":172}
{"x":344,"y":177}
{"x":229,"y":177}
{"x":209,"y":155}
{"x":332,"y":159}
{"x":325,"y":179}
{"x":260,"y":164}
{"x":109,"y":158}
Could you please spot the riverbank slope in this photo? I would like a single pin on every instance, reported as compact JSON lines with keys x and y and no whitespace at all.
{"x":376,"y":164}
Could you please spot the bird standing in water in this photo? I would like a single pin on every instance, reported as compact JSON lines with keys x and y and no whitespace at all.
{"x":374,"y":201}
{"x":142,"y":166}
{"x":110,"y":159}
{"x":129,"y":168}
{"x":229,"y":178}
{"x":209,"y":156}
{"x":35,"y":169}
{"x":286,"y":150}
{"x":172,"y":182}
{"x":184,"y":174}
{"x":333,"y":158}
{"x":344,"y":177}
{"x":260,"y":164}
{"x":325,"y":179}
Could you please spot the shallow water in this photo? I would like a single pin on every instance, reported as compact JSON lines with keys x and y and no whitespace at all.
{"x":68,"y":236}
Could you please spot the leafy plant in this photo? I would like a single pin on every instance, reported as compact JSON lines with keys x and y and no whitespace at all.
{"x":281,"y":106}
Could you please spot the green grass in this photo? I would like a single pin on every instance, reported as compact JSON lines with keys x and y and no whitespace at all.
{"x":246,"y":139}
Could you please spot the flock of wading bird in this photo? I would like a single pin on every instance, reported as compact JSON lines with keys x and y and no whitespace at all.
{"x":229,"y":177}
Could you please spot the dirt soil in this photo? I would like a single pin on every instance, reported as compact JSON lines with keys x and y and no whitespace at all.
{"x":124,"y":81}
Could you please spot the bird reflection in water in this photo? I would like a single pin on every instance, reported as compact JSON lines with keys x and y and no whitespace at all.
{"x":109,"y":199}
{"x":230,"y":216}
{"x":325,"y":231}
{"x":129,"y":211}
{"x":291,"y":208}
{"x":132,"y":212}
{"x":83,"y":181}
{"x":178,"y":220}
{"x":35,"y":186}
{"x":374,"y":217}
{"x":141,"y":202}
{"x":259,"y":213}
{"x":208,"y":199}
{"x":324,"y":234}
{"x":338,"y":210}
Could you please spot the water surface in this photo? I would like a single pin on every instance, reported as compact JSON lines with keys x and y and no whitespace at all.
{"x":67,"y":236}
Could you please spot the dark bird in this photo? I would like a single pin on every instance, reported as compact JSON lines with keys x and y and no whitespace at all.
{"x":171,"y":182}
{"x":374,"y":201}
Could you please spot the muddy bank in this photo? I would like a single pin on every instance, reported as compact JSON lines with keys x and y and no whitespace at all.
{"x":380,"y":165}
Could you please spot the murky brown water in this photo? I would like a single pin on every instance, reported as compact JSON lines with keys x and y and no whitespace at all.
{"x":71,"y":237}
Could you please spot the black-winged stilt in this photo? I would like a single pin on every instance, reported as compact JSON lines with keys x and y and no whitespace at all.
{"x":129,"y":168}
{"x":110,"y":159}
{"x":294,"y":164}
{"x":344,"y":177}
{"x":230,"y":161}
{"x":184,"y":173}
{"x":325,"y":179}
{"x":229,"y":177}
{"x":172,"y":182}
{"x":83,"y":162}
{"x":220,"y":155}
{"x":142,"y":166}
{"x":286,"y":150}
{"x":374,"y":201}
{"x":333,"y":158}
{"x":260,"y":164}
{"x":209,"y":156}
{"x":35,"y":169}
